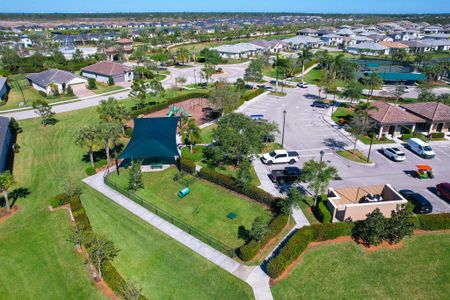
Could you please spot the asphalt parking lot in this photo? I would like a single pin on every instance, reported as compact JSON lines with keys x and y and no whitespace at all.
{"x":307,"y":133}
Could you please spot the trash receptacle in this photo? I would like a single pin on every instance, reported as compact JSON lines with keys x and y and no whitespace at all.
{"x":184,"y":192}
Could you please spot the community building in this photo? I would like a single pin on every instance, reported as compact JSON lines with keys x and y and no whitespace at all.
{"x":435,"y":114}
{"x":300,"y":41}
{"x":237,"y":51}
{"x":104,"y":70}
{"x":370,"y":49}
{"x":354,"y":203}
{"x":5,"y":142}
{"x":391,"y":120}
{"x":59,"y":79}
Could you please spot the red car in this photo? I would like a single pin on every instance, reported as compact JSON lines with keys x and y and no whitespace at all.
{"x":443,"y":191}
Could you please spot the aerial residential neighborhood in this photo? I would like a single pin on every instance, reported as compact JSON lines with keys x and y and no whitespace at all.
{"x":235,"y":150}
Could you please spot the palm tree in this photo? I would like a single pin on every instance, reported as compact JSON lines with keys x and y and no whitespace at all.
{"x":324,"y":59}
{"x":182,"y":55}
{"x":304,"y":56}
{"x":6,"y":182}
{"x":280,"y":65}
{"x":108,"y":133}
{"x":111,"y":111}
{"x":364,"y":109}
{"x":353,"y":91}
{"x":88,"y":137}
{"x":373,"y":81}
{"x":190,"y":132}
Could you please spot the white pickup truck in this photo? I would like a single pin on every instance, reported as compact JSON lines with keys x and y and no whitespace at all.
{"x":280,"y":157}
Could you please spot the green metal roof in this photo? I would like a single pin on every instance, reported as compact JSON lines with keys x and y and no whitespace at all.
{"x":152,"y":138}
{"x":402,"y":76}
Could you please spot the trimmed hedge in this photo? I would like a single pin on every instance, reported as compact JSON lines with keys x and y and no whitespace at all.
{"x":109,"y":273}
{"x":322,"y":213}
{"x":167,"y":103}
{"x":437,"y":135}
{"x":246,"y":96}
{"x":300,"y":240}
{"x":90,"y":171}
{"x":251,"y":249}
{"x":229,"y":183}
{"x":187,"y":166}
{"x":59,"y":200}
{"x":433,"y":221}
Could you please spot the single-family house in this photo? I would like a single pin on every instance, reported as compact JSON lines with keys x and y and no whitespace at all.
{"x":3,"y":87}
{"x":346,"y":32}
{"x":332,"y":39}
{"x":308,"y":32}
{"x":437,"y":45}
{"x":104,"y":70}
{"x":126,"y":47}
{"x":435,"y":114}
{"x":370,"y":49}
{"x":5,"y":142}
{"x":354,"y":203}
{"x":272,"y":46}
{"x":391,"y":120}
{"x":237,"y":51}
{"x":299,"y":42}
{"x":60,"y":79}
{"x":416,"y":46}
{"x":395,"y":46}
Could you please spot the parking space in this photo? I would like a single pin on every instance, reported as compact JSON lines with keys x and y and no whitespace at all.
{"x":307,"y":133}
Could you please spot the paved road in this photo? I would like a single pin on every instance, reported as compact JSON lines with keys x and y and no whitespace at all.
{"x":307,"y":132}
{"x":29,"y":114}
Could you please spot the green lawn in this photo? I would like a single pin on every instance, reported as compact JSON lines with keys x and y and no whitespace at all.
{"x":358,"y":156}
{"x":22,"y":94}
{"x":342,"y":113}
{"x":366,"y":140}
{"x":104,"y":88}
{"x":419,"y":270}
{"x":163,"y":268}
{"x":314,"y":76}
{"x":205,"y":208}
{"x":37,"y":261}
{"x":206,"y":134}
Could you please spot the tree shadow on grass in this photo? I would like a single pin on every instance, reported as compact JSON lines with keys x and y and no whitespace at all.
{"x":14,"y":195}
{"x":101,"y":154}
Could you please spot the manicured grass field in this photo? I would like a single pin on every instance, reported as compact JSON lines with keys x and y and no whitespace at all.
{"x":37,"y":261}
{"x":163,"y":268}
{"x":357,"y":156}
{"x":342,"y":112}
{"x":419,"y":270}
{"x":314,"y":76}
{"x":104,"y":88}
{"x":205,"y":208}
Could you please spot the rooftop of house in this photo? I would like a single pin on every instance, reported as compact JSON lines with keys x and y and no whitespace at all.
{"x":432,"y":111}
{"x":107,"y":68}
{"x":394,"y":45}
{"x":47,"y":77}
{"x":370,"y":46}
{"x":124,"y":41}
{"x":238,"y":48}
{"x":3,"y":82}
{"x":389,"y":114}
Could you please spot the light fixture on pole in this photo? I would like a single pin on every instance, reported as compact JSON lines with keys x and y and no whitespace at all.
{"x":284,"y":123}
{"x":322,"y":153}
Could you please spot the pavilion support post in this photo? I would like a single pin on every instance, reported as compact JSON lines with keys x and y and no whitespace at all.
{"x":117,"y":166}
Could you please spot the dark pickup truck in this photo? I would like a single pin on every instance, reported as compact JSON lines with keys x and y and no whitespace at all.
{"x":288,"y":174}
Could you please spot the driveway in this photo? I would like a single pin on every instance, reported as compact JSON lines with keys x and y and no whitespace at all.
{"x":81,"y":91}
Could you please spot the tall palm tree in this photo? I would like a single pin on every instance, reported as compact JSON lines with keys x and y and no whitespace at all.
{"x":364,"y":109}
{"x":111,"y":111}
{"x":88,"y":137}
{"x":190,"y":132}
{"x":304,"y":56}
{"x":373,"y":81}
{"x":108,"y":134}
{"x":6,"y":182}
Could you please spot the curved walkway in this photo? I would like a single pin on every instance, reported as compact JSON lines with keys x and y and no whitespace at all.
{"x":253,"y":276}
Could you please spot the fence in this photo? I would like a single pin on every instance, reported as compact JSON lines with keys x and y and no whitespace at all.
{"x":213,"y":242}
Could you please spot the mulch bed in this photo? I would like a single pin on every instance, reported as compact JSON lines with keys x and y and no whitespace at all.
{"x":14,"y":210}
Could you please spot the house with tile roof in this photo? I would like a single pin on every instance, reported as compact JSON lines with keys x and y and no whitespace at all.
{"x":369,"y":49}
{"x":391,"y":120}
{"x":435,"y":114}
{"x":104,"y":70}
{"x":237,"y":51}
{"x":43,"y":81}
{"x":3,"y":87}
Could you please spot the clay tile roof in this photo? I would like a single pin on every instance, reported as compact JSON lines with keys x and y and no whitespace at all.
{"x":432,"y":111}
{"x":389,"y":114}
{"x":107,"y":68}
{"x":394,"y":45}
{"x":110,"y":50}
{"x":124,"y":41}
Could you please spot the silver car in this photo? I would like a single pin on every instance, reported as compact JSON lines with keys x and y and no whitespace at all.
{"x":394,"y":153}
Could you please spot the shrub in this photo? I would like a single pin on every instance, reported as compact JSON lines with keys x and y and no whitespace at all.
{"x":407,"y":136}
{"x":110,"y":81}
{"x":437,"y":135}
{"x":252,"y":94}
{"x":100,"y":163}
{"x":92,"y":85}
{"x":43,"y":94}
{"x":14,"y":126}
{"x":69,"y":91}
{"x":90,"y":171}
{"x":433,"y":222}
{"x":249,"y":250}
{"x":322,"y":213}
{"x":330,"y":231}
{"x":187,"y":166}
{"x":59,"y":200}
{"x":112,"y":277}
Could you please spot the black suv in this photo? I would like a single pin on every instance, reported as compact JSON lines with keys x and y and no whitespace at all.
{"x":421,"y":204}
{"x":287,"y":175}
{"x":320,"y":104}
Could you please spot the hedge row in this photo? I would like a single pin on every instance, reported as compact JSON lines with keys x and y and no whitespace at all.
{"x":322,"y":213}
{"x":187,"y":165}
{"x":59,"y":200}
{"x":300,"y":240}
{"x":251,"y":94}
{"x":114,"y":280}
{"x":322,"y":232}
{"x":229,"y":183}
{"x":251,"y":249}
{"x":167,"y":103}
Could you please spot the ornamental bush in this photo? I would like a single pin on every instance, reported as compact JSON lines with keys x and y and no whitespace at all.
{"x":437,"y":135}
{"x":433,"y":221}
{"x":90,"y":171}
{"x":59,"y":200}
{"x":321,"y":212}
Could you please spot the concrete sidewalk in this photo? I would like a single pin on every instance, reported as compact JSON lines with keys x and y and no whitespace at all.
{"x":253,"y":276}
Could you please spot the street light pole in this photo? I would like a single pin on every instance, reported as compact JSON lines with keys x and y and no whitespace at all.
{"x":284,"y":123}
{"x":195,"y":79}
{"x":370,"y":147}
{"x":322,"y":153}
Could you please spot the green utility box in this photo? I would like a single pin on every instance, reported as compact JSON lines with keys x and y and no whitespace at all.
{"x":184,"y":192}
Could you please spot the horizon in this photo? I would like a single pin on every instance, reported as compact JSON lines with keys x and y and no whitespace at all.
{"x":231,"y":6}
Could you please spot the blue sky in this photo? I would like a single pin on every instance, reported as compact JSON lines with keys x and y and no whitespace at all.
{"x":318,"y":6}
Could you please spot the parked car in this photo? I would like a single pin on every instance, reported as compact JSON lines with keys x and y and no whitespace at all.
{"x":320,"y":104}
{"x":443,"y":191}
{"x":280,"y":157}
{"x":406,"y":89}
{"x":302,"y":85}
{"x":421,"y":204}
{"x":420,"y":148}
{"x":394,"y":153}
{"x":287,"y":175}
